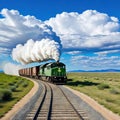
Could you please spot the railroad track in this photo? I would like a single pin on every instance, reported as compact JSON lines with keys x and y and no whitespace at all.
{"x":53,"y":104}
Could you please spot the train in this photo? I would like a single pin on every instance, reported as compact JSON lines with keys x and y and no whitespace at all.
{"x":54,"y":72}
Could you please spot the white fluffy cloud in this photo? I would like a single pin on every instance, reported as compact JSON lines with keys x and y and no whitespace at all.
{"x":17,"y":29}
{"x":90,"y":30}
{"x":96,"y":62}
{"x":73,"y":52}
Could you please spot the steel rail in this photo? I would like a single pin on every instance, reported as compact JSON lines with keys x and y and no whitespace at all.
{"x":50,"y":107}
{"x":80,"y":117}
{"x":39,"y":108}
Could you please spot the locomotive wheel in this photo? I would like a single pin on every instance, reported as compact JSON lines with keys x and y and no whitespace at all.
{"x":50,"y":79}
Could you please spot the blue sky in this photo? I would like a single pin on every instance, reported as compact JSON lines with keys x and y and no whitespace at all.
{"x":45,"y":9}
{"x":89,"y":31}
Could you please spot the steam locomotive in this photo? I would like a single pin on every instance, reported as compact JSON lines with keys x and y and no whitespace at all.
{"x":54,"y":72}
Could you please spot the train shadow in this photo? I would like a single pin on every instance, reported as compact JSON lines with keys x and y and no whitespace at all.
{"x":81,"y":83}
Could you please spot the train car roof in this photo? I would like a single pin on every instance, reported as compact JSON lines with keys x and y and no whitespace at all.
{"x":29,"y":67}
{"x":44,"y":65}
{"x":47,"y":64}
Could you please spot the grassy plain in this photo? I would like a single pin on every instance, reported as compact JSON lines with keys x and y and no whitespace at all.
{"x":103,"y":87}
{"x":17,"y":87}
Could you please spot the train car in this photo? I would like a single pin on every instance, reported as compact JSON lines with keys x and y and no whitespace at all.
{"x":35,"y":71}
{"x":27,"y":72}
{"x":21,"y":72}
{"x":30,"y":72}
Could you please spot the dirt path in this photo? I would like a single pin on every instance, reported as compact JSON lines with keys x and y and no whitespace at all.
{"x":21,"y":103}
{"x":101,"y":109}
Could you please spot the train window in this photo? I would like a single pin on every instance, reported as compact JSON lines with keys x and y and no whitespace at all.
{"x":60,"y":65}
{"x":57,"y":65}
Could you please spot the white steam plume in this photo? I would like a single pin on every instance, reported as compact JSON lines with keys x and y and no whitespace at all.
{"x":11,"y":69}
{"x":36,"y":51}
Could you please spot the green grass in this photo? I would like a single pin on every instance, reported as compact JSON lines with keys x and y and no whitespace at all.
{"x":18,"y":86}
{"x":103,"y":87}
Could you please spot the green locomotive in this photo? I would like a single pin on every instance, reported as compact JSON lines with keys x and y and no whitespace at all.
{"x":53,"y":72}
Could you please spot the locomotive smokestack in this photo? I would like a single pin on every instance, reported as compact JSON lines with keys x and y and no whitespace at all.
{"x":57,"y":61}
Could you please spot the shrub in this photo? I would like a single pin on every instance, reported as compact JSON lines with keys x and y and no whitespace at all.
{"x":13,"y":88}
{"x":110,"y":79}
{"x":11,"y":83}
{"x":25,"y":84}
{"x":5,"y":94}
{"x":20,"y":81}
{"x":0,"y":95}
{"x":17,"y":78}
{"x":1,"y":106}
{"x":109,"y":100}
{"x":16,"y":85}
{"x":96,"y":78}
{"x":103,"y":86}
{"x":115,"y":91}
{"x":15,"y":82}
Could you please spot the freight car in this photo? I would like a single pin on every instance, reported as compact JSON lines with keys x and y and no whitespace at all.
{"x":52,"y":72}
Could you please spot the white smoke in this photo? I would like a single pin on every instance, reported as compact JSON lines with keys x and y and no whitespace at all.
{"x":34,"y":51}
{"x":11,"y":69}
